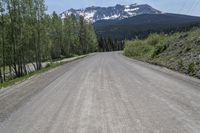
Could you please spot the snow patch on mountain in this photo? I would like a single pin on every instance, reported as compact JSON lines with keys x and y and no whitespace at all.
{"x":131,"y":10}
{"x":115,"y":16}
{"x":89,"y":15}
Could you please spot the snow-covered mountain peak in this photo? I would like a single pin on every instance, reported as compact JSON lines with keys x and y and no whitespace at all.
{"x":94,"y":14}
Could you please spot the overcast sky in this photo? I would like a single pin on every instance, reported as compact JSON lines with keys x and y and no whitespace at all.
{"x":190,"y":7}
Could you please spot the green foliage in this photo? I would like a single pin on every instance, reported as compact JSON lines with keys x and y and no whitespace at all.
{"x":159,"y":48}
{"x":29,"y":35}
{"x":138,"y":48}
{"x":187,"y":49}
{"x":180,"y":64}
{"x":191,"y":68}
{"x":48,"y":65}
{"x":154,"y":39}
{"x":194,"y":31}
{"x":179,"y":51}
{"x":149,"y":48}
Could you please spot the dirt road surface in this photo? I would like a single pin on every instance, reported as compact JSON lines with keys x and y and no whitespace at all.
{"x":103,"y":93}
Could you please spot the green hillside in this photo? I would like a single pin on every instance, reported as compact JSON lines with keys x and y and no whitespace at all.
{"x":142,"y":25}
{"x":178,"y":51}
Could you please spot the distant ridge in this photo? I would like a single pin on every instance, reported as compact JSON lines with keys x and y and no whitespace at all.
{"x":142,"y":25}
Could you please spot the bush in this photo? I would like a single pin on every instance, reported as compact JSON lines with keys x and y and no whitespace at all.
{"x":159,"y":49}
{"x":178,"y":51}
{"x":48,"y":65}
{"x":137,"y":48}
{"x":191,"y":68}
{"x":187,"y":49}
{"x":195,"y":31}
{"x":180,"y":64}
{"x":155,"y":39}
{"x":149,"y":47}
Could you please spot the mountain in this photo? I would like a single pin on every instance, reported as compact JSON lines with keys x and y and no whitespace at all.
{"x":130,"y":21}
{"x":117,"y":12}
{"x":142,"y":25}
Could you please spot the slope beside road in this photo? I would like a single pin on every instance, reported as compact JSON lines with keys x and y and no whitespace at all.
{"x":104,"y":93}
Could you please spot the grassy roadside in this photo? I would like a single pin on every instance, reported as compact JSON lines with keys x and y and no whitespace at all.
{"x":45,"y":69}
{"x":178,"y":51}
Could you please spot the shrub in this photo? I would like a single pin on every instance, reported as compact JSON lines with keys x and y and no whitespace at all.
{"x":195,"y":31}
{"x":187,"y":49}
{"x":48,"y":65}
{"x":150,"y":47}
{"x":183,"y":35}
{"x":191,"y":68}
{"x":137,"y":48}
{"x":180,"y":64}
{"x":155,"y":39}
{"x":131,"y":46}
{"x":159,"y":49}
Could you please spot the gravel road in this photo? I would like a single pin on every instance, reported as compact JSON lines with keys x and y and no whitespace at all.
{"x":103,"y":93}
